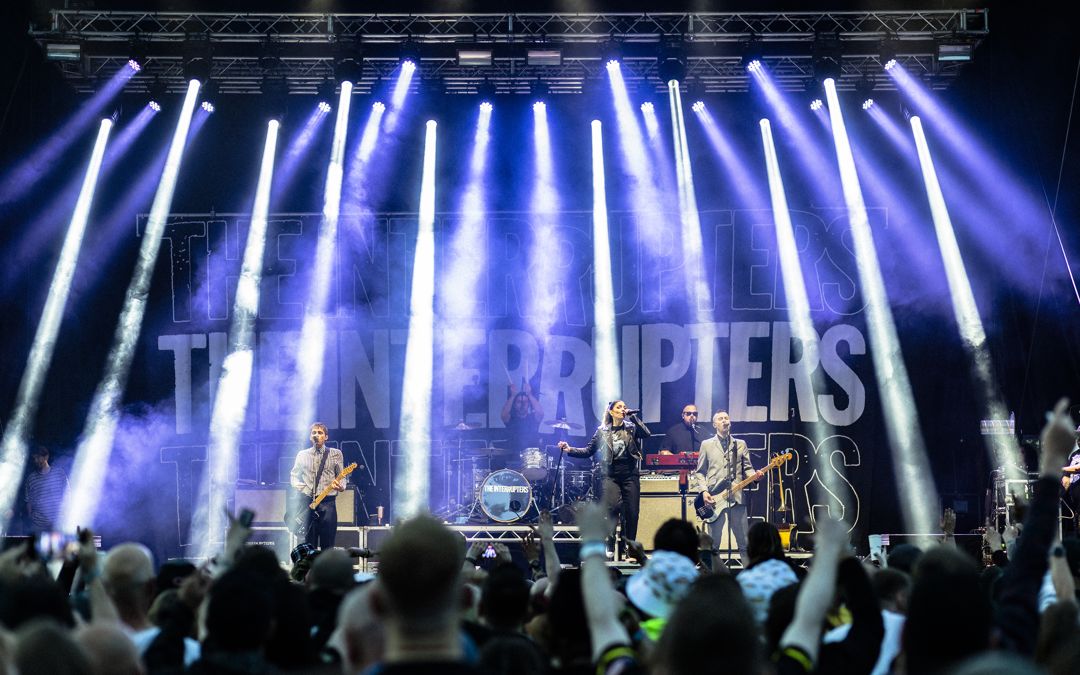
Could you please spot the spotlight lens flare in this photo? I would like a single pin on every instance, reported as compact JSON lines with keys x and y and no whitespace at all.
{"x":816,"y":104}
{"x":647,"y":107}
{"x":208,"y":106}
{"x":612,"y":64}
{"x":890,"y":64}
{"x":698,"y":106}
{"x":485,"y":106}
{"x":408,"y":65}
{"x":867,"y":104}
{"x":539,"y":106}
{"x":378,"y":105}
{"x":155,"y":106}
{"x":325,"y":107}
{"x":134,"y":65}
{"x":754,"y":66}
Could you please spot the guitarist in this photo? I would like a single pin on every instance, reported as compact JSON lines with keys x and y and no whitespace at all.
{"x":323,"y":531}
{"x":723,"y":461}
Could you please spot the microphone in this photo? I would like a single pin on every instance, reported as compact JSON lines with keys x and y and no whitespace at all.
{"x":632,"y":411}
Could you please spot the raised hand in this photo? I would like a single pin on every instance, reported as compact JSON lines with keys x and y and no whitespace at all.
{"x":545,"y":528}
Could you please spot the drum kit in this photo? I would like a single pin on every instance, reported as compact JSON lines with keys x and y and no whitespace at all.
{"x":491,"y":484}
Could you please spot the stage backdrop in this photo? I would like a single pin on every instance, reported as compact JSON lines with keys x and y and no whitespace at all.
{"x":743,"y":359}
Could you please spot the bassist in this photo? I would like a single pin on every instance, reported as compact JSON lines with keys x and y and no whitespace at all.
{"x":723,"y":461}
{"x":308,"y":462}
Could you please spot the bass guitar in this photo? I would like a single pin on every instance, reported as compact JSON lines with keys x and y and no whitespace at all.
{"x":301,"y":522}
{"x":709,"y":513}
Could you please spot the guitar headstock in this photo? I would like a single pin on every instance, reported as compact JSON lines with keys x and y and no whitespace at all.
{"x":780,"y":458}
{"x":347,"y":470}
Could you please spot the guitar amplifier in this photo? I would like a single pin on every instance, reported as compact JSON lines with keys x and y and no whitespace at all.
{"x":655,"y":482}
{"x":268,"y":503}
{"x":656,"y":510}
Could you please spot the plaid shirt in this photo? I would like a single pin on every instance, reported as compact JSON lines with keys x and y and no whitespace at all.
{"x":307,"y":461}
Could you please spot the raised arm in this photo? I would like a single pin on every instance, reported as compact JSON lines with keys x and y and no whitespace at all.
{"x":598,"y":593}
{"x":816,"y":595}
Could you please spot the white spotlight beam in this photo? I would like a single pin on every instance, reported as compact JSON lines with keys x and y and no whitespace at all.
{"x":312,"y":348}
{"x":411,"y":482}
{"x":605,"y":344}
{"x":468,"y":249}
{"x":1003,"y":448}
{"x":544,"y":208}
{"x":13,"y":454}
{"x":92,"y":458}
{"x":230,"y":401}
{"x":802,"y":325}
{"x":697,"y":283}
{"x":918,"y":495}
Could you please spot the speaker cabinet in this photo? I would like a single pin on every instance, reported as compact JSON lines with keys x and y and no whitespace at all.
{"x":269,"y":505}
{"x":656,"y":509}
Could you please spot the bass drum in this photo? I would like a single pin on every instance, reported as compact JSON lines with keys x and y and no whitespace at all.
{"x":505,"y":496}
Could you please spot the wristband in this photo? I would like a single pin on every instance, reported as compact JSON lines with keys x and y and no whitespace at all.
{"x":592,"y":548}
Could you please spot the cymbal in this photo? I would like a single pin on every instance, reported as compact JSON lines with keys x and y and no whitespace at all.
{"x":563,"y":424}
{"x":489,"y":452}
{"x":462,"y":426}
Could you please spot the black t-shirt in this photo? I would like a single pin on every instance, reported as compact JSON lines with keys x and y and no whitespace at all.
{"x":679,"y":439}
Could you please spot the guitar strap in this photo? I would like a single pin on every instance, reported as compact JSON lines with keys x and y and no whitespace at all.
{"x":318,"y":474}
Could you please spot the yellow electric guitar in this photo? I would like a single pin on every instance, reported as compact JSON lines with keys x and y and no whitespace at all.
{"x":708,"y":512}
{"x":306,"y":518}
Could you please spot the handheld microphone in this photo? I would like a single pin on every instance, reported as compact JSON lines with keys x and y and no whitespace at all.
{"x":632,"y":411}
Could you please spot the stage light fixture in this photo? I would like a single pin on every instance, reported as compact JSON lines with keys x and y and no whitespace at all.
{"x":486,"y":91}
{"x":610,"y":53}
{"x":63,"y":51}
{"x":539,"y":90}
{"x":695,"y":93}
{"x":196,"y":55}
{"x":817,"y":104}
{"x":887,"y":53}
{"x":867,"y":104}
{"x":474,"y":58}
{"x":539,"y":57}
{"x":348,"y":62}
{"x":156,"y":93}
{"x":827,"y":56}
{"x":326,"y":92}
{"x":752,"y":57}
{"x":955,"y":51}
{"x":647,"y":107}
{"x":137,"y":49}
{"x":864,"y":88}
{"x":275,"y":91}
{"x":209,"y":97}
{"x":409,"y":55}
{"x":672,"y":64}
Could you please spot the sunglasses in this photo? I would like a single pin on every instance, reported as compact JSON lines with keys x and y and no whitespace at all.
{"x":690,"y":414}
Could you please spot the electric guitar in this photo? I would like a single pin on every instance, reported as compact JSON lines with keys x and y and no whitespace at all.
{"x":304,"y":519}
{"x":709,"y":513}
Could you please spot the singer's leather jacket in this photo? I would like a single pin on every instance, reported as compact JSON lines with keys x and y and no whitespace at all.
{"x":606,"y":439}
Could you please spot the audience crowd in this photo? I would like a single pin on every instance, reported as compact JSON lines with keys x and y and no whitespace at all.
{"x":436,"y":605}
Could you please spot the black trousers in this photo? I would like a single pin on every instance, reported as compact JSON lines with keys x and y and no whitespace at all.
{"x":622,"y":496}
{"x":323,"y":533}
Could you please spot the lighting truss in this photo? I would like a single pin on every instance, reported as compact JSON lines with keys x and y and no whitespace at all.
{"x":712,"y":42}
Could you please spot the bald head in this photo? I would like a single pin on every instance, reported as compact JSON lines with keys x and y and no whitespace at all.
{"x":110,"y":649}
{"x":128,"y":575}
{"x":332,"y":571}
{"x":359,"y":635}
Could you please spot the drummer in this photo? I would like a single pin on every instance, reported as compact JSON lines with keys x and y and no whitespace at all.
{"x":522,"y":414}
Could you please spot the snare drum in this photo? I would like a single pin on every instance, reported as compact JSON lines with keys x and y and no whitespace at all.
{"x":534,"y":464}
{"x":505,"y":496}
